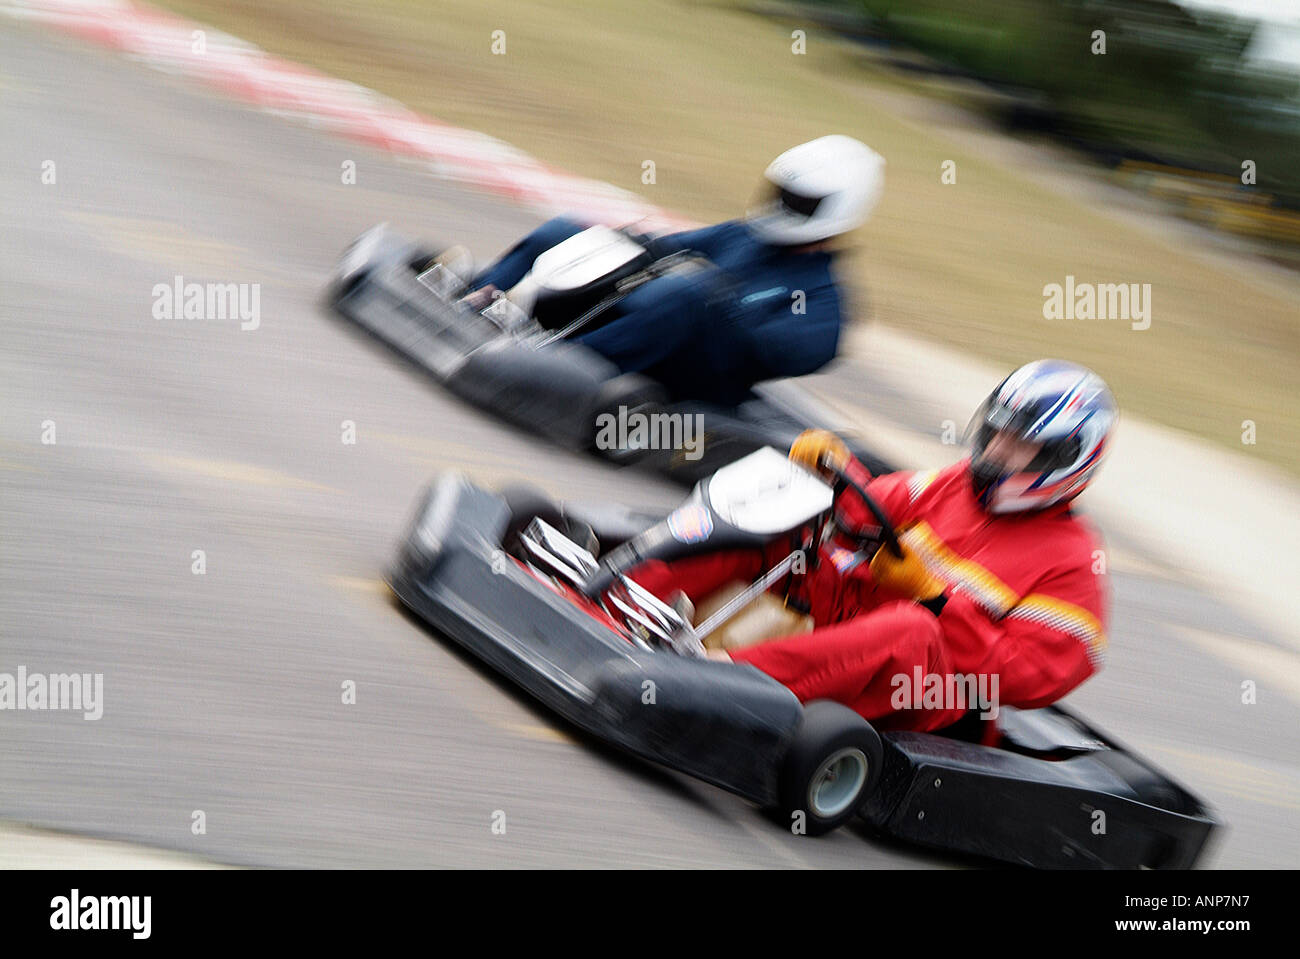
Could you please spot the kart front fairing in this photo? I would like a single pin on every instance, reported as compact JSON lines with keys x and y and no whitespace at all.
{"x":719,"y":723}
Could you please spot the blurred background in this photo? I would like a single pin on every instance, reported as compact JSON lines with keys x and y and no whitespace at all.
{"x":711,"y":91}
{"x":222,"y":688}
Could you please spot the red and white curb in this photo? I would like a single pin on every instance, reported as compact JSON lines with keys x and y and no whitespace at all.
{"x":238,"y":69}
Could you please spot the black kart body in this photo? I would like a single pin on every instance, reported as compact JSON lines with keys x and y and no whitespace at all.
{"x":552,"y":386}
{"x":1040,"y":788}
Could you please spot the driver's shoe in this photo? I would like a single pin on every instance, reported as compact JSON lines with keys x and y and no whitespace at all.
{"x":478,"y":300}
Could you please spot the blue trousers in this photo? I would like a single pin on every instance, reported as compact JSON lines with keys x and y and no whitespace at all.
{"x":663,"y":328}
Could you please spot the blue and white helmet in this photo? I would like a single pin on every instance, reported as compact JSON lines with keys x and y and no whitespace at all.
{"x":1065,"y":407}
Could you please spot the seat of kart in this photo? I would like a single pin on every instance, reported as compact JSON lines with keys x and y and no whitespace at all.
{"x":557,"y":306}
{"x":1033,"y":732}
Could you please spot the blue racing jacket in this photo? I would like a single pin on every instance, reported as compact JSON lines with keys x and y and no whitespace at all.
{"x":771,"y":313}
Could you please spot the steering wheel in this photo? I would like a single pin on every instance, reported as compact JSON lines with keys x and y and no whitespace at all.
{"x":888,"y":535}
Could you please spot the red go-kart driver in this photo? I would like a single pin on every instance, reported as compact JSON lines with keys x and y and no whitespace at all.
{"x":998,"y":575}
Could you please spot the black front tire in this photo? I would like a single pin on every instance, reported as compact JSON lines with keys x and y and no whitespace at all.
{"x":831,"y":767}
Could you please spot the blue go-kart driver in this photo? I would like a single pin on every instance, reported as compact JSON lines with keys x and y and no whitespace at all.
{"x":768,"y":305}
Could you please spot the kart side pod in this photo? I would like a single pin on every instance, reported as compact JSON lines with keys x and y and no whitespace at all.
{"x":1100,"y":807}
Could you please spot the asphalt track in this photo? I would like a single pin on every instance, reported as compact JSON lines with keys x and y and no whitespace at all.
{"x":223,"y":690}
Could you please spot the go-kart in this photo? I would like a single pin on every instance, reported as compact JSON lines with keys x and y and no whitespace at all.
{"x":516,"y":357}
{"x":542,"y":593}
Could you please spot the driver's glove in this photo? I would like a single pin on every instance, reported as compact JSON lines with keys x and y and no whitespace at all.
{"x":906,"y":575}
{"x":816,"y":449}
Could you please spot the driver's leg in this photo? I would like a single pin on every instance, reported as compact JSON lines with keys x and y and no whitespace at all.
{"x":511,"y":267}
{"x":699,"y":576}
{"x":658,"y":319}
{"x":863,"y":662}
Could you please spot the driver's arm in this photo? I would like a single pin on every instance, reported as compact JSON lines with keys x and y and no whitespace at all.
{"x":780,"y":342}
{"x":1047,"y":642}
{"x":1043,"y":647}
{"x":703,"y":240}
{"x":893,"y":491}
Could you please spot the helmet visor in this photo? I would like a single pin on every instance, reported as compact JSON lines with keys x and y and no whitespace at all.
{"x":771,"y":200}
{"x":1000,"y":449}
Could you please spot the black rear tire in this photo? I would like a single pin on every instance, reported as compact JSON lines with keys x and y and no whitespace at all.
{"x":831,"y":767}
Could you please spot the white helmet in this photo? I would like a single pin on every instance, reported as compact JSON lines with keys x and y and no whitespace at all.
{"x":818,"y":190}
{"x":1063,"y":406}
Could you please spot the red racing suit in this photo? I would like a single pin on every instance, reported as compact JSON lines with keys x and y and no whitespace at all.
{"x":1025,"y":612}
